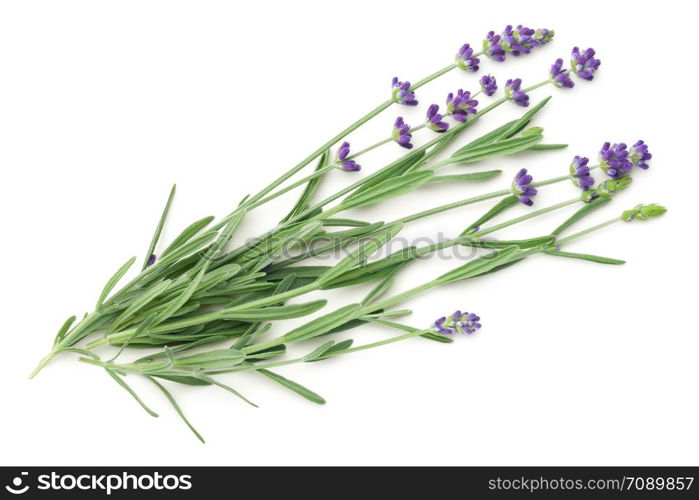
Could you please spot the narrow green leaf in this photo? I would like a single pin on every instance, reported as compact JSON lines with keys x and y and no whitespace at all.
{"x":586,"y":209}
{"x":523,"y":120}
{"x":226,"y":388}
{"x":387,"y":189}
{"x":379,"y":290}
{"x":183,"y":379}
{"x":585,"y":256}
{"x":139,"y":303}
{"x":344,"y":222}
{"x":128,"y":389}
{"x":298,"y":272}
{"x":502,"y":205}
{"x":500,"y":148}
{"x":309,"y":190}
{"x":472,"y":177}
{"x":190,"y":247}
{"x":539,"y":241}
{"x":396,"y":169}
{"x":479,"y":265}
{"x":319,"y":351}
{"x":180,"y":301}
{"x":187,"y":234}
{"x":486,"y":138}
{"x":360,"y":255}
{"x":137,"y":333}
{"x":294,"y":386}
{"x":63,"y":330}
{"x":211,"y":360}
{"x":316,"y":326}
{"x":363,"y":275}
{"x":547,"y":147}
{"x":159,"y":227}
{"x":275,"y":313}
{"x":114,"y":280}
{"x":177,"y":408}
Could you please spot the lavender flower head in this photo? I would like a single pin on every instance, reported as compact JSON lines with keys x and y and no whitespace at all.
{"x":519,"y":40}
{"x":580,"y":173}
{"x":151,"y":260}
{"x":401,"y":133}
{"x":434,"y":120}
{"x":461,"y":105}
{"x":614,"y":160}
{"x":488,"y":85}
{"x":584,"y":63}
{"x":559,"y":76}
{"x":514,"y":93}
{"x":521,"y":188}
{"x":465,"y":59}
{"x":639,"y":155}
{"x":401,"y":93}
{"x":342,"y":154}
{"x":465,"y":322}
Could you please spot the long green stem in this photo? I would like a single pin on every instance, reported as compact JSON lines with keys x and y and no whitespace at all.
{"x":575,"y":236}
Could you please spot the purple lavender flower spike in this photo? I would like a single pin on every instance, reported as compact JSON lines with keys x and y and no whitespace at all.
{"x":518,"y":41}
{"x":461,"y":105}
{"x":463,"y":322}
{"x":401,"y":133}
{"x":580,"y":173}
{"x":514,"y":94}
{"x":342,"y":154}
{"x":492,"y":47}
{"x":639,"y":155}
{"x":439,"y":326}
{"x":465,"y":59}
{"x":614,"y":160}
{"x":434,"y":120}
{"x":401,"y":93}
{"x":521,"y":188}
{"x":151,"y":260}
{"x":584,"y":63}
{"x":488,"y":85}
{"x":559,"y":76}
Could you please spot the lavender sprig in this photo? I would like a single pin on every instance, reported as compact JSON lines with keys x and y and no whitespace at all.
{"x":488,"y":84}
{"x":341,"y":159}
{"x":463,"y":322}
{"x":401,"y":93}
{"x":401,"y":133}
{"x":515,"y":94}
{"x":521,"y":187}
{"x":434,"y":120}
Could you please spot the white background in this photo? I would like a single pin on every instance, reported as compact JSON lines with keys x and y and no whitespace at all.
{"x":103,"y":105}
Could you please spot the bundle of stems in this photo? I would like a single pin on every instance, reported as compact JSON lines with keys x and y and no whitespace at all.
{"x":204,"y":295}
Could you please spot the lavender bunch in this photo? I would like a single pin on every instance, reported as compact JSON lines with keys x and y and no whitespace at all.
{"x":217,"y":300}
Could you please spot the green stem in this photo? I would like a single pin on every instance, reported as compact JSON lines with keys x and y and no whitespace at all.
{"x":588,"y":231}
{"x":528,"y":216}
{"x":433,"y":76}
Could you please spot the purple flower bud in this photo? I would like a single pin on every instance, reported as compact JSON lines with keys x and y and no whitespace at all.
{"x":544,"y":36}
{"x":521,"y":188}
{"x":401,"y":93}
{"x":514,"y":94}
{"x":639,"y":155}
{"x":461,"y":105}
{"x":488,"y":85}
{"x":492,"y":47}
{"x":434,"y":120}
{"x":151,"y":260}
{"x":401,"y":133}
{"x":439,"y":326}
{"x":580,"y":173}
{"x":559,"y":76}
{"x":584,"y":63}
{"x":463,"y":322}
{"x":465,"y":59}
{"x":342,"y":154}
{"x":614,"y":160}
